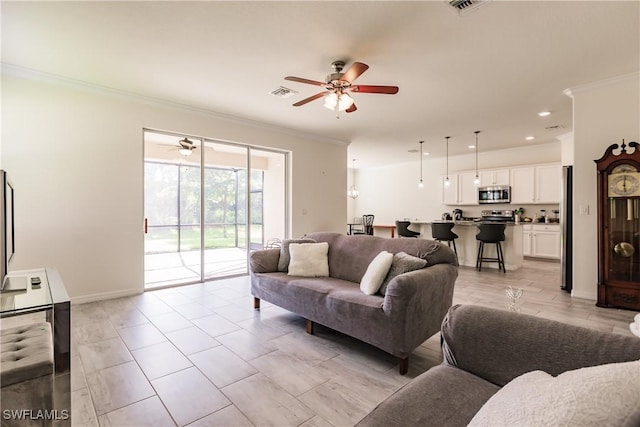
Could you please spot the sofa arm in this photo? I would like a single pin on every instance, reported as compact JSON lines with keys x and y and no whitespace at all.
{"x":499,"y":345}
{"x":418,"y":301}
{"x":264,"y":260}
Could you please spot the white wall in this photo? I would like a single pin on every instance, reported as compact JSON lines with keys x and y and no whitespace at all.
{"x":74,"y":153}
{"x":603,"y":114}
{"x":392,"y":192}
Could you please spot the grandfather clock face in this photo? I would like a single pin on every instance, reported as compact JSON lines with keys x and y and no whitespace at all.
{"x":624,"y":181}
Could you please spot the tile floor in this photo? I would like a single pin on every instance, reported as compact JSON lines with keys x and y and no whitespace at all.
{"x":199,"y":355}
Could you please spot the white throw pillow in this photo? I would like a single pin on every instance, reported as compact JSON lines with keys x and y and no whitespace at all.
{"x":309,"y":259}
{"x":376,"y":272}
{"x":604,"y":395}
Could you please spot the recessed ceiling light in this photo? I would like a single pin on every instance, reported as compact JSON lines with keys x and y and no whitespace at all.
{"x":471,"y":146}
{"x":544,"y":113}
{"x":426,"y":153}
{"x":529,"y":138}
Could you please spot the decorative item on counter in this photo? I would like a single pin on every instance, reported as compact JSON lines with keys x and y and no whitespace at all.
{"x":518,"y":214}
{"x":543,"y":216}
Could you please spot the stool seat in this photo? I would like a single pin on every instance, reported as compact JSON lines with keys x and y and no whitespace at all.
{"x":491,"y":233}
{"x":403,"y":229}
{"x":441,"y":232}
{"x":27,"y":352}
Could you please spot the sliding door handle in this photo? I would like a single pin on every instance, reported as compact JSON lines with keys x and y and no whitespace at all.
{"x":146,"y":225}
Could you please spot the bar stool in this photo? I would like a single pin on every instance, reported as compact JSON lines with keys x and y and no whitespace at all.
{"x":403,"y":229}
{"x":491,"y":233}
{"x":441,"y":232}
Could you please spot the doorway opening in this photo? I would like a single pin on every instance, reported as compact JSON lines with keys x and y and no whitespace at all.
{"x":208,"y":203}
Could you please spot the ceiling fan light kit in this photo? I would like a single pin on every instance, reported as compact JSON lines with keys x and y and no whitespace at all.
{"x":186,"y":147}
{"x":339,"y":84}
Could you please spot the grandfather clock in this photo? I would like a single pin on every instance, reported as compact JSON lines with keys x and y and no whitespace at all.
{"x":619,"y":227}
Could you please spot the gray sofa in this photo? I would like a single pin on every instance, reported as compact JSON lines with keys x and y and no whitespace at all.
{"x":484,"y":349}
{"x":410,"y":312}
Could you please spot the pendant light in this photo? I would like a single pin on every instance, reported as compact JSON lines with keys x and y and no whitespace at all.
{"x":476,"y":181}
{"x":421,"y":184}
{"x":447,"y":183}
{"x":353,"y":190}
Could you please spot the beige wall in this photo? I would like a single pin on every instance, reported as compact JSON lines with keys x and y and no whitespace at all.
{"x":603,"y":114}
{"x":75,"y":153}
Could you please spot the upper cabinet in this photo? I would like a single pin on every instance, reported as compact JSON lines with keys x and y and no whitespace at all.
{"x":536,"y":184}
{"x":461,"y":189}
{"x":494,"y":177}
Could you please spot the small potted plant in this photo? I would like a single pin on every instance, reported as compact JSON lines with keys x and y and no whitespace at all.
{"x":518,"y":213}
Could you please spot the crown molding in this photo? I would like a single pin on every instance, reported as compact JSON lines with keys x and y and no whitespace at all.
{"x":570,"y":92}
{"x":41,"y":76}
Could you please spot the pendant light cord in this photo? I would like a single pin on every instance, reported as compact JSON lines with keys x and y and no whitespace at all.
{"x":421,"y":142}
{"x":447,"y":156}
{"x":477,"y":132}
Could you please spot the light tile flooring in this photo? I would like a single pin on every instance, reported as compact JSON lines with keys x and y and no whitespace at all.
{"x":200,"y":355}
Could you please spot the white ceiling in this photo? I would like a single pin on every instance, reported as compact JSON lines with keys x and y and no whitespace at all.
{"x":492,"y":69}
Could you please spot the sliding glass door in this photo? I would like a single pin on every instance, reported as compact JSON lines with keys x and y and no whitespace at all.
{"x":207,"y":203}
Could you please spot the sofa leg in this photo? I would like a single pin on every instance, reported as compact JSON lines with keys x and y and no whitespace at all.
{"x":404,"y":365}
{"x":256,"y":303}
{"x":309,"y":327}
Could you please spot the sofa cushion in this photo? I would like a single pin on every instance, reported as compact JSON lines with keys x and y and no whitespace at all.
{"x":285,"y":257}
{"x":402,"y":263}
{"x":349,"y":256}
{"x":309,"y":259}
{"x":376,"y":272}
{"x":442,"y":396}
{"x":26,"y":353}
{"x":594,"y":396}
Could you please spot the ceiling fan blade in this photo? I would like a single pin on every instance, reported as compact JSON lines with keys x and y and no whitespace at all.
{"x":352,"y":108}
{"x":301,"y":80}
{"x":391,"y":90}
{"x":309,"y":99}
{"x":356,"y":69}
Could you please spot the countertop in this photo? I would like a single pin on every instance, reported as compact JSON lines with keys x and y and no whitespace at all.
{"x":468,"y":223}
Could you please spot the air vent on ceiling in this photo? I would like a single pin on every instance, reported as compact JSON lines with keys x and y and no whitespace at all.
{"x":284,"y":92}
{"x":554,"y":127}
{"x":466,"y":6}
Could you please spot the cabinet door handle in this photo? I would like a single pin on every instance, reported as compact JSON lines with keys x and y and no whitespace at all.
{"x":146,"y":225}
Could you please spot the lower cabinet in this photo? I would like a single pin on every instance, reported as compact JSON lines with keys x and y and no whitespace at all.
{"x":541,"y":240}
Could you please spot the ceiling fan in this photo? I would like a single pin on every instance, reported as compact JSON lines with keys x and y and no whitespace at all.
{"x":339,"y":84}
{"x":186,"y":146}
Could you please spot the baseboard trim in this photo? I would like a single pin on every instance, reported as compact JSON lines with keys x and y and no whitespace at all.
{"x":105,"y":295}
{"x":584,"y":295}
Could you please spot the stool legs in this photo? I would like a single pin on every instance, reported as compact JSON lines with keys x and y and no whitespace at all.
{"x":449,"y":244}
{"x":499,"y":259}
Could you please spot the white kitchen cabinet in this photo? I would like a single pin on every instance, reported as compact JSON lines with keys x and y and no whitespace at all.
{"x":461,"y":191}
{"x":548,"y":183}
{"x":536,"y":184}
{"x":541,"y":240}
{"x":527,"y":232}
{"x":494,"y":177}
{"x":450,"y":192}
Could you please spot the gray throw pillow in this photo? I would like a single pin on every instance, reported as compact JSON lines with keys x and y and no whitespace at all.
{"x":402,"y":263}
{"x":285,"y":257}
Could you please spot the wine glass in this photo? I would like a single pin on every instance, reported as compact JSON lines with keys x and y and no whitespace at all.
{"x":513,"y":295}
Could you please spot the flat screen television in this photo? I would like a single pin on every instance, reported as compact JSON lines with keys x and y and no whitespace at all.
{"x":7,"y":229}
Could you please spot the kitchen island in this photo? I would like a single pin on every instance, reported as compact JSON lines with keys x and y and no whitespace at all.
{"x":467,"y":245}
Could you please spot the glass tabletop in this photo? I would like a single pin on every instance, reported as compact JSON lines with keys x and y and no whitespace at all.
{"x":33,"y":298}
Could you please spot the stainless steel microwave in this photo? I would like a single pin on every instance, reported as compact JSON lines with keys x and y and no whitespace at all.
{"x":494,"y":194}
